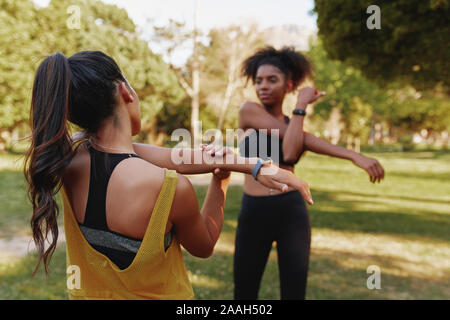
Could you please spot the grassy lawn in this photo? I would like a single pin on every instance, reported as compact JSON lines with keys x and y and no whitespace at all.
{"x":401,"y":225}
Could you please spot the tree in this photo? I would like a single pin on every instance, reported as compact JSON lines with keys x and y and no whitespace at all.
{"x":355,"y":105}
{"x":40,"y":32}
{"x":220,"y":66}
{"x":411,"y":47}
{"x":175,"y":35}
{"x":352,"y":102}
{"x":20,"y":46}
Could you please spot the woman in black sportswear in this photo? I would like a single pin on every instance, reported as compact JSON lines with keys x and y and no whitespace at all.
{"x":268,"y":215}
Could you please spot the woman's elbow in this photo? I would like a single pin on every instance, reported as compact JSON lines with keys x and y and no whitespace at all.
{"x":206,"y":254}
{"x":203,"y":253}
{"x":289,"y":157}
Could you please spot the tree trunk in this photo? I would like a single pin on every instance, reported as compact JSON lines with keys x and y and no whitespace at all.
{"x":195,"y":86}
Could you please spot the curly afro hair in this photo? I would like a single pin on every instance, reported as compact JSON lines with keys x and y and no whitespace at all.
{"x":293,"y":64}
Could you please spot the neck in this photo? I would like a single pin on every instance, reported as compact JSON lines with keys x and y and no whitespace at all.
{"x":114,"y":137}
{"x":275,"y":110}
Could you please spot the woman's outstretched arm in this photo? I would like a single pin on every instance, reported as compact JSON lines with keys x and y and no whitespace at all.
{"x":321,"y":146}
{"x":261,"y":119}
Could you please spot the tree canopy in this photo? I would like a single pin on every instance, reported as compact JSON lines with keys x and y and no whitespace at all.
{"x":28,"y":34}
{"x":410,"y":47}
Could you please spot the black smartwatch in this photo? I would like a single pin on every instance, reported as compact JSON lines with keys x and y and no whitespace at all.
{"x":300,"y":112}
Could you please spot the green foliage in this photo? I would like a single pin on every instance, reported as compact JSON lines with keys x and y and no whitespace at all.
{"x":362,"y":102}
{"x":415,"y":111}
{"x":222,"y":87}
{"x":347,"y":89}
{"x":39,"y":32}
{"x":20,"y":47}
{"x":411,"y":47}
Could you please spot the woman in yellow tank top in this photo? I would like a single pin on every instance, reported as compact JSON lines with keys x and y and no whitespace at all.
{"x":146,"y":196}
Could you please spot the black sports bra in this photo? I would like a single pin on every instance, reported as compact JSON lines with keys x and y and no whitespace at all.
{"x":120,"y":248}
{"x":260,"y":144}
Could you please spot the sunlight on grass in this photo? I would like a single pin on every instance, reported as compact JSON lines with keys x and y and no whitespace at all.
{"x":12,"y":162}
{"x":205,"y":281}
{"x":429,"y":260}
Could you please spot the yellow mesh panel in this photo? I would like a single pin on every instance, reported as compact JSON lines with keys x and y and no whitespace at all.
{"x":153,"y":274}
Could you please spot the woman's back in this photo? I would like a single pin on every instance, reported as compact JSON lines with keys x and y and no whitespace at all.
{"x":139,"y":200}
{"x":131,"y":194}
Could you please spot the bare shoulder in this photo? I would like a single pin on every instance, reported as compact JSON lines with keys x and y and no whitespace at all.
{"x":141,"y":176}
{"x":249,"y":105}
{"x":136,"y":173}
{"x":246,"y":112}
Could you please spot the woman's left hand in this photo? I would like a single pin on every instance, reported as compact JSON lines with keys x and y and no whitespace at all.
{"x":221,"y":174}
{"x":306,"y":96}
{"x":371,"y":166}
{"x":218,"y":151}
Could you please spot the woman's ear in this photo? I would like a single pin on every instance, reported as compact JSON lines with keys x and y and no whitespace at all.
{"x":125,"y":92}
{"x":290,"y":85}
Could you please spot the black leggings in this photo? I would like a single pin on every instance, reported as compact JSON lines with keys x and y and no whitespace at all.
{"x":262,"y":220}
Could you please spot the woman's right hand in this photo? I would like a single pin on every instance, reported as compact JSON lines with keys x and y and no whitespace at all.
{"x":278,"y":178}
{"x":306,"y":96}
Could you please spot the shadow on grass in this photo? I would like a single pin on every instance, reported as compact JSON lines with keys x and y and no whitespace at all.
{"x":441,"y":177}
{"x":392,"y":197}
{"x":346,"y":216}
{"x":427,"y":176}
{"x":327,"y":279}
{"x":212,"y":278}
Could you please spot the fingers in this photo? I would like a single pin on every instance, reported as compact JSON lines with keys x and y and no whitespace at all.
{"x":320,"y":94}
{"x":221,"y":174}
{"x":371,"y":173}
{"x":382,"y":172}
{"x":215,"y":150}
{"x":220,"y":152}
{"x":280,"y":186}
{"x":284,"y":179}
{"x":306,"y":193}
{"x":378,"y":172}
{"x":303,"y":187}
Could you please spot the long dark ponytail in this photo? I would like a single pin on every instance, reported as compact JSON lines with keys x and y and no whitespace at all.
{"x":81,"y":89}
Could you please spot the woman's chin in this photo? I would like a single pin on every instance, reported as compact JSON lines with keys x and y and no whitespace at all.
{"x":266,"y":101}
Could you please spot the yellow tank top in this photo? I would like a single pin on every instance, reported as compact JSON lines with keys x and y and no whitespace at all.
{"x":154,"y":272}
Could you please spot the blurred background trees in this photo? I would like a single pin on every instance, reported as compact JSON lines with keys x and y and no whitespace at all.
{"x":407,"y":58}
{"x":29,"y":33}
{"x":385,"y":87}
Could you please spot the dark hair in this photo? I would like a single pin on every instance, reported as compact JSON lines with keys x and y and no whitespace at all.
{"x":83,"y":90}
{"x":293,"y":64}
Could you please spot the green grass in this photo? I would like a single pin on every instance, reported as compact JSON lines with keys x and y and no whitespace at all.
{"x":400,"y":225}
